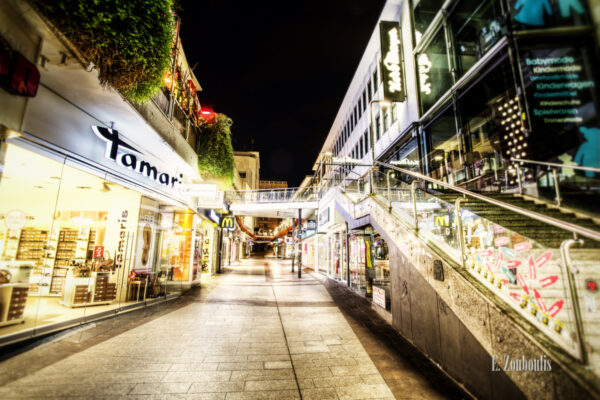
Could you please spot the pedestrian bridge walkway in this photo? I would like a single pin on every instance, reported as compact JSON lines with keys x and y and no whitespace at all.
{"x":272,"y":203}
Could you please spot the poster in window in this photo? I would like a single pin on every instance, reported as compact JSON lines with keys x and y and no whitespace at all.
{"x":562,"y":97}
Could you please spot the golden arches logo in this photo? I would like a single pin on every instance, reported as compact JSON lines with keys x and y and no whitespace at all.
{"x":227,"y":223}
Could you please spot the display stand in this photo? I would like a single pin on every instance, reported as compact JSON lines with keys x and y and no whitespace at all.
{"x":89,"y":291}
{"x":13,"y":297}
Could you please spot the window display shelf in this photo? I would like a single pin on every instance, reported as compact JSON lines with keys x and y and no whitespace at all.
{"x":13,"y":298}
{"x":89,"y":291}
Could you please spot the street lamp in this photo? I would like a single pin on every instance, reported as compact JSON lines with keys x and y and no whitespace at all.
{"x":383,"y":104}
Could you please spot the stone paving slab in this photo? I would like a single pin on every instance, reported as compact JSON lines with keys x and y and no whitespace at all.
{"x":256,"y":332}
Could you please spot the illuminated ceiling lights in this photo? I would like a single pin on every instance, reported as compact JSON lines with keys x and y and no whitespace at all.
{"x":514,"y":131}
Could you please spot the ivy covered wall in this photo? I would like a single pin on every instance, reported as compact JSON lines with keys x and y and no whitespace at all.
{"x":129,"y":41}
{"x":215,"y":152}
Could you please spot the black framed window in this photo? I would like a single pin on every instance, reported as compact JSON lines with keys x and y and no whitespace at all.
{"x":377,"y":127}
{"x":435,"y":77}
{"x":375,"y":81}
{"x":476,"y":26}
{"x":423,"y":13}
{"x":369,"y":91}
{"x":385,"y":119}
{"x":364,"y":100}
{"x":366,"y":137}
{"x":394,"y":112}
{"x":443,"y":154}
{"x":491,"y":123}
{"x":362,"y":147}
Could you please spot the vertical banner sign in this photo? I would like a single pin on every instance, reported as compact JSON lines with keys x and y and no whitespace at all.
{"x":391,"y":61}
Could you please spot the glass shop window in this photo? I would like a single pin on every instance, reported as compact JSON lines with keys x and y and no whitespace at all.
{"x":423,"y":13}
{"x":444,"y":158}
{"x":434,"y":74}
{"x":476,"y":26}
{"x":490,"y":114}
{"x":407,"y":156}
{"x":548,"y":13}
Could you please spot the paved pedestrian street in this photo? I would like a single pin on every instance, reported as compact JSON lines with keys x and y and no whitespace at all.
{"x":255,"y":332}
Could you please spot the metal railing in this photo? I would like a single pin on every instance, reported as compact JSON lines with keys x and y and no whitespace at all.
{"x":412,"y":207}
{"x":554,"y":168}
{"x":271,"y":195}
{"x":576,"y":229}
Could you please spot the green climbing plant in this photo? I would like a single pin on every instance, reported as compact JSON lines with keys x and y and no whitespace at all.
{"x":129,"y":41}
{"x":215,"y":152}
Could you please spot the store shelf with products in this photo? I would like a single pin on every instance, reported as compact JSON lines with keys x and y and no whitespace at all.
{"x":13,"y":297}
{"x":62,"y":249}
{"x":99,"y":288}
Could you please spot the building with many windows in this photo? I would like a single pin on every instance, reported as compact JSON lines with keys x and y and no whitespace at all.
{"x":488,"y":86}
{"x":465,"y":99}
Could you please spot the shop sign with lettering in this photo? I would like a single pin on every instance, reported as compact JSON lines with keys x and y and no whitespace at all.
{"x":129,"y":157}
{"x":560,"y":87}
{"x":391,"y":61}
{"x":228,"y":222}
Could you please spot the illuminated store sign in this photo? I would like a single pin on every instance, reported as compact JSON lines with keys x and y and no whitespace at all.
{"x":405,"y":162}
{"x":127,"y":156}
{"x":424,"y":65}
{"x":228,"y":222}
{"x":391,"y":61}
{"x":561,"y":92}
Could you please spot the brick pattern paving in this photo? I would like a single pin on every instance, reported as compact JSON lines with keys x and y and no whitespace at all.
{"x":256,"y":333}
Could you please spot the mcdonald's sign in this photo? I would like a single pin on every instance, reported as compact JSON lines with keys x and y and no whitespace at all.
{"x":228,"y":222}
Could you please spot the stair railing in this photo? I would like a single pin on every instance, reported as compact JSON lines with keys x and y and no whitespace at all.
{"x":551,"y":166}
{"x":575,"y":229}
{"x":564,"y":247}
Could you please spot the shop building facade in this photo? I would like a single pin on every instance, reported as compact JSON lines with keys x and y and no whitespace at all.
{"x":486,"y":88}
{"x":95,"y":216}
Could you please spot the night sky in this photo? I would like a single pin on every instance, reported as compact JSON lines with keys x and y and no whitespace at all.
{"x":279,"y":70}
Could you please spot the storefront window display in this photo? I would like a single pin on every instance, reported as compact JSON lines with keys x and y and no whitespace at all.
{"x":381,"y":275}
{"x":323,"y":249}
{"x":369,"y":265}
{"x":337,"y":243}
{"x":491,"y":115}
{"x":442,"y":149}
{"x":72,"y":244}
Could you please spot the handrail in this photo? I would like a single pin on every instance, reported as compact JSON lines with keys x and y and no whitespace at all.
{"x":594,"y":235}
{"x":597,"y":170}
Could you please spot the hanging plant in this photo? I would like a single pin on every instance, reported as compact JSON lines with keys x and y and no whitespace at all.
{"x":215,"y":152}
{"x":129,"y":41}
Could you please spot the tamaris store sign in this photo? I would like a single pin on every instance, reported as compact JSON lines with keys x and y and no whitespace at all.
{"x":129,"y":157}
